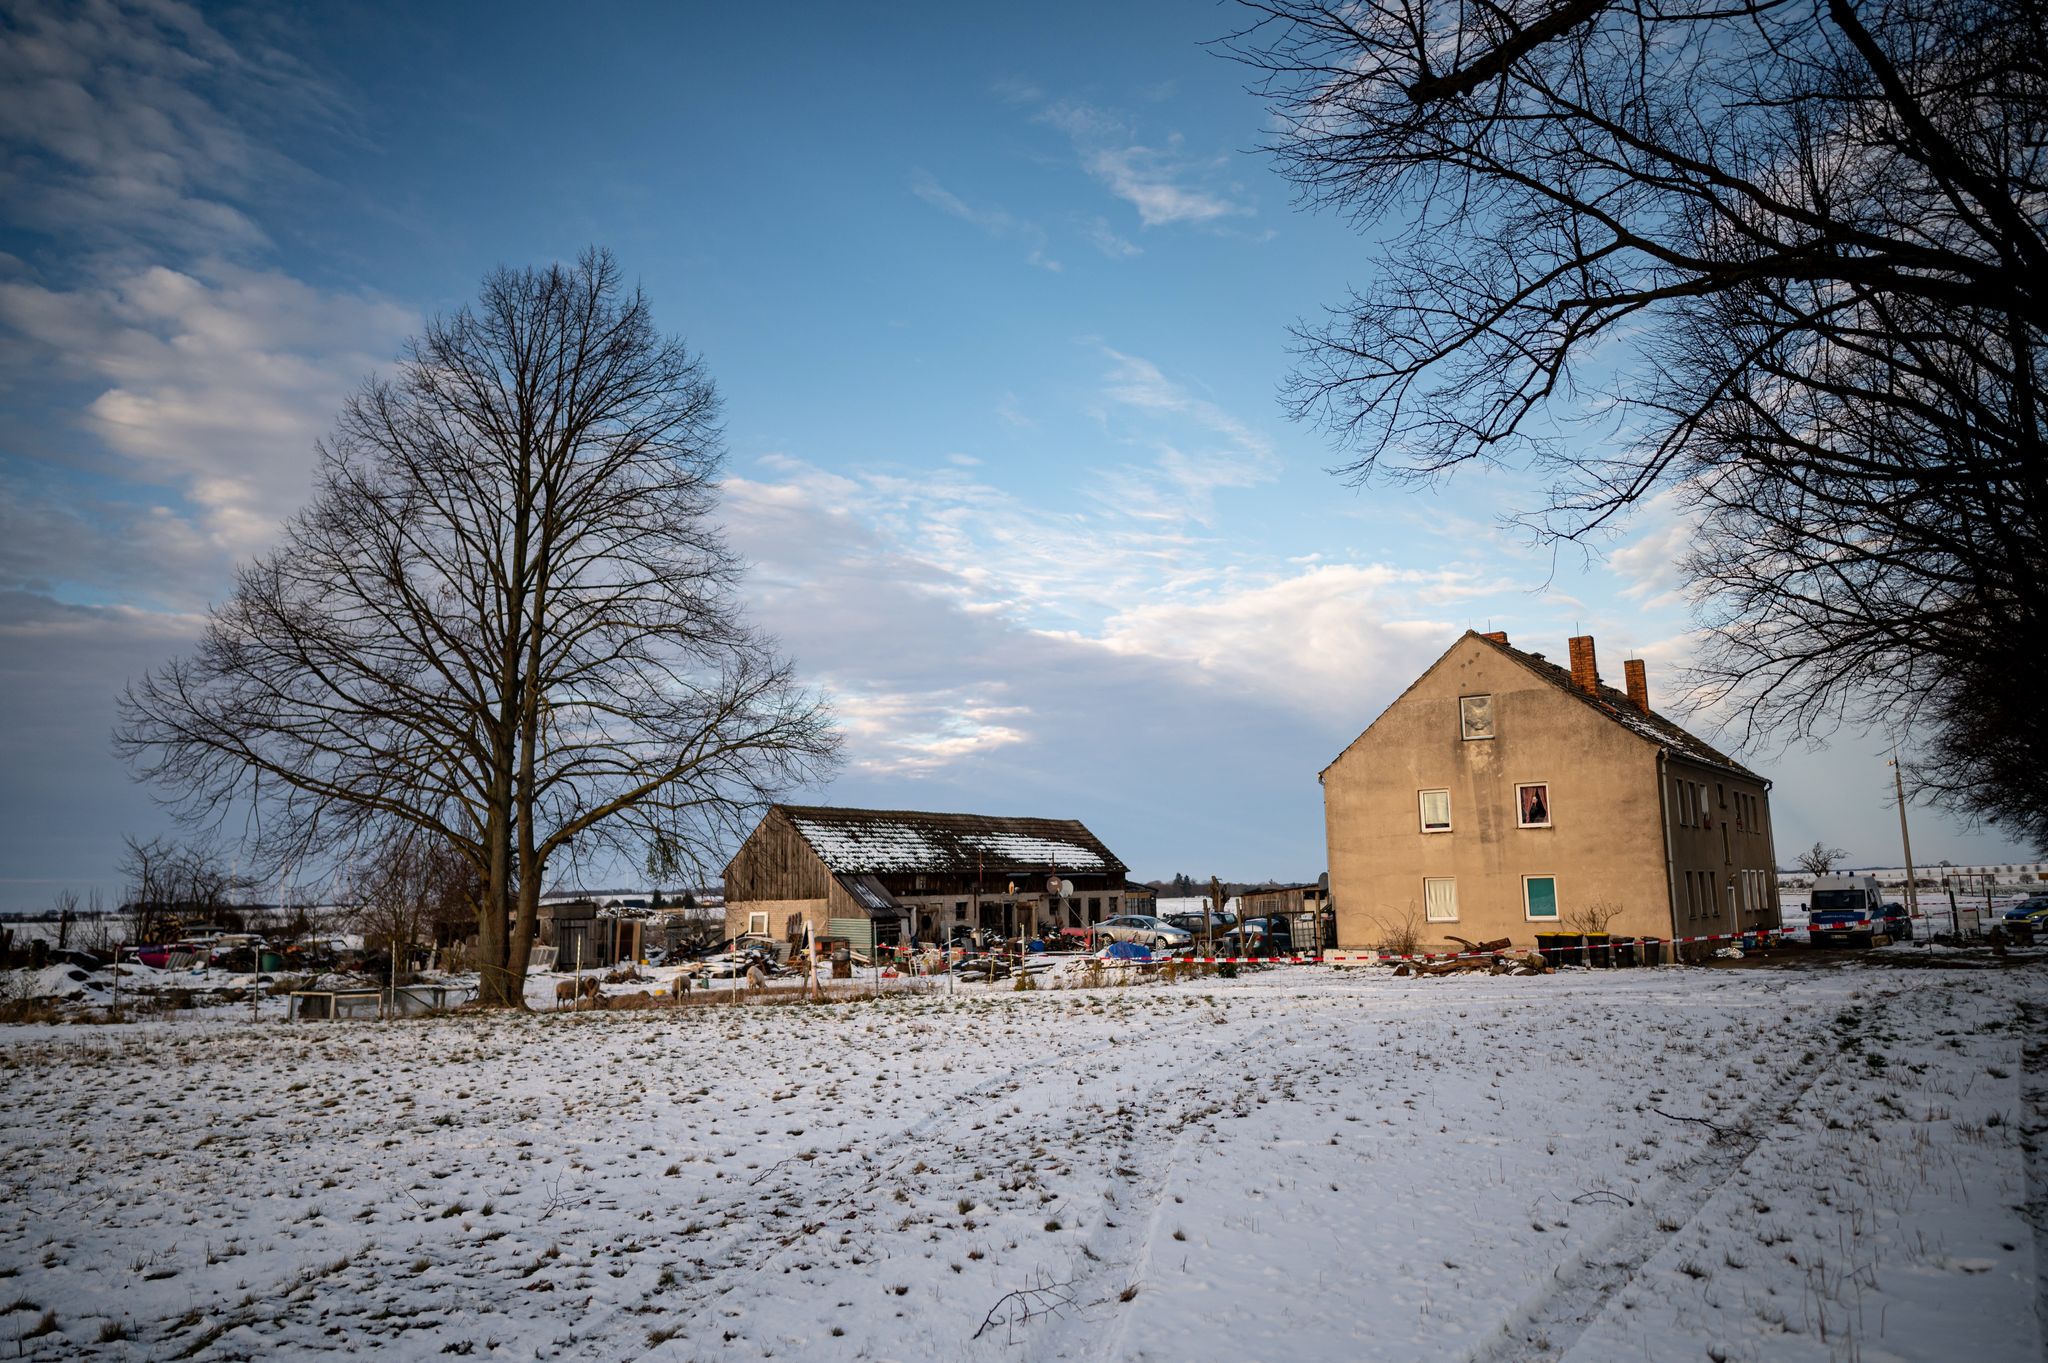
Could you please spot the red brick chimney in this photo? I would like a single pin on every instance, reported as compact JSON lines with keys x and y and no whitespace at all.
{"x":1585,"y":673}
{"x":1638,"y":684}
{"x":1499,"y":636}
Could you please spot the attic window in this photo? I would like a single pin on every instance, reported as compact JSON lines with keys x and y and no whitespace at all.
{"x":1475,"y":714}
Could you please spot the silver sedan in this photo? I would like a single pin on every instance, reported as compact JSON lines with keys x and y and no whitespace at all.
{"x":1156,"y":933}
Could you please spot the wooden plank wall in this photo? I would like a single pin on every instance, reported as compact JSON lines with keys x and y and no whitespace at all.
{"x":775,"y":863}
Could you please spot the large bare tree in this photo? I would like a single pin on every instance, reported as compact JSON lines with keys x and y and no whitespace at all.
{"x":506,"y":619}
{"x":1785,"y":261}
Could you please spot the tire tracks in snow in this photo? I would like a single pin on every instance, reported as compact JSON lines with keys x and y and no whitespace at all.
{"x":1583,"y":1286}
{"x":840,"y":1193}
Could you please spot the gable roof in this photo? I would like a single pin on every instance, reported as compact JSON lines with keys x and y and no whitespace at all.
{"x":876,"y":841}
{"x":1614,"y":705}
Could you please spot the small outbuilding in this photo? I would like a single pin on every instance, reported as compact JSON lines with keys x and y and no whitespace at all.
{"x":877,"y":877}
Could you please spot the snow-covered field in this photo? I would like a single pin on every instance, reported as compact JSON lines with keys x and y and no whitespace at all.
{"x":1306,"y":1163}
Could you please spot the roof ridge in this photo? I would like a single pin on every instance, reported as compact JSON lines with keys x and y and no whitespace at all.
{"x":1619,"y":707}
{"x":850,"y":839}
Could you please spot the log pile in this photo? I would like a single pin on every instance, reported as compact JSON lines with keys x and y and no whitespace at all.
{"x":1497,"y":957}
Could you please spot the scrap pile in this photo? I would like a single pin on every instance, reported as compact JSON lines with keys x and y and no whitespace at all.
{"x":1497,"y":957}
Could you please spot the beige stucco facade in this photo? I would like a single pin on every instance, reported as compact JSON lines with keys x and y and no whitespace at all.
{"x":1569,"y":807}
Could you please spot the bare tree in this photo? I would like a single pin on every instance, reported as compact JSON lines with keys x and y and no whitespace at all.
{"x":506,"y":620}
{"x":172,"y":885}
{"x":66,"y":905}
{"x":1784,"y":260}
{"x":1819,"y":859}
{"x":414,"y":884}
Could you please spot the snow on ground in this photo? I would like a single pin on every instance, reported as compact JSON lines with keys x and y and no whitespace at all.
{"x":1304,"y":1163}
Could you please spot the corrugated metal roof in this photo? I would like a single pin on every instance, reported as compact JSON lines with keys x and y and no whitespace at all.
{"x":872,"y":841}
{"x":871,"y":895}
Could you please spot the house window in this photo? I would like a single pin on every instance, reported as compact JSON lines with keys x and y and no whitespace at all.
{"x":1475,"y":716}
{"x":1440,"y":899}
{"x":1436,"y":811}
{"x":1112,"y":904}
{"x":757,"y":925}
{"x":1692,"y":896}
{"x":1684,"y":790}
{"x":1532,"y":805}
{"x":960,"y":908}
{"x":1539,"y":898}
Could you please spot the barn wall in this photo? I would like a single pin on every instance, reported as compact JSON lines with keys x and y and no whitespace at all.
{"x":811,"y":911}
{"x":775,"y":863}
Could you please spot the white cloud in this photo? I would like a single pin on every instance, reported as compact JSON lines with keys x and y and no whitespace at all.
{"x":1648,"y":562}
{"x":1105,"y":239}
{"x":127,"y":122}
{"x":1150,"y":182}
{"x":1212,"y":450}
{"x":932,"y":601}
{"x":1164,"y":184}
{"x":215,"y":381}
{"x":915,"y":732}
{"x":1320,"y":638}
{"x":996,"y":222}
{"x":137,"y":134}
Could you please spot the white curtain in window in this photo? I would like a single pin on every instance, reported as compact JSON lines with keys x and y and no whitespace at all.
{"x":1440,"y":900}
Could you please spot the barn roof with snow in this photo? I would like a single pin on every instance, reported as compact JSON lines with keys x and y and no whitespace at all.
{"x":885,"y":841}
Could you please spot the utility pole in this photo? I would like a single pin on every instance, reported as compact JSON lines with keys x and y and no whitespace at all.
{"x":1905,"y":838}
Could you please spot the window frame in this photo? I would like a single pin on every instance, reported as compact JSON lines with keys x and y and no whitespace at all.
{"x":1465,"y":733}
{"x":757,"y":916}
{"x":1556,"y":914}
{"x":1422,"y":810}
{"x":1521,"y":786}
{"x":1428,"y":881}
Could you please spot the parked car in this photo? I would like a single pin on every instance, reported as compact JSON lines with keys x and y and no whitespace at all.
{"x":2027,"y":919}
{"x":1156,"y":933}
{"x":1260,"y":937}
{"x":1898,"y":924}
{"x":2034,"y":908}
{"x":1191,"y":923}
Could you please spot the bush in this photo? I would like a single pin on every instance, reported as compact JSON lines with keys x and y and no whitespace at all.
{"x":1402,"y":937}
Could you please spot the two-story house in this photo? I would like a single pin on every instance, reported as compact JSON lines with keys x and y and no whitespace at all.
{"x":1502,"y":795}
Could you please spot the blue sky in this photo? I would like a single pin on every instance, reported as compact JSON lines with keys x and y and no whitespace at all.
{"x":998,"y":301}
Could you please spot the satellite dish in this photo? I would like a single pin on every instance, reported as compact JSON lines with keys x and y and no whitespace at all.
{"x":1066,"y":889}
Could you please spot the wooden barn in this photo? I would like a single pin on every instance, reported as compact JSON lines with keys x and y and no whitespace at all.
{"x":883,"y":877}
